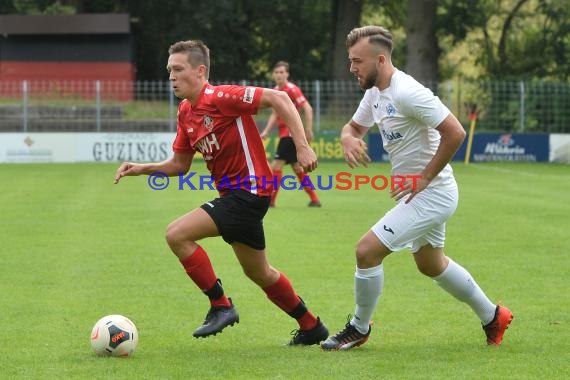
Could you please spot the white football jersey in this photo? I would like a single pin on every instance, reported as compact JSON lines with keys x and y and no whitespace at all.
{"x":407,"y":114}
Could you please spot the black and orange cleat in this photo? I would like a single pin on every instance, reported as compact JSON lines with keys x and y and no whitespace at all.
{"x":496,"y":328}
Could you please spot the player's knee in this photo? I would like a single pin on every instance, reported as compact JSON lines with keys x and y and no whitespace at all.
{"x":423,"y":269}
{"x":369,"y":252}
{"x":172,"y":234}
{"x":259,"y":277}
{"x":430,"y":269}
{"x":364,"y":256}
{"x":430,"y":262}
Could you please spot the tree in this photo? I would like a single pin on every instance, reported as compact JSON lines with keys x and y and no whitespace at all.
{"x":555,"y":32}
{"x":531,"y":41}
{"x":346,"y":15}
{"x":498,"y":63}
{"x":243,"y":35}
{"x":7,"y":7}
{"x":422,"y":51}
{"x":441,"y":38}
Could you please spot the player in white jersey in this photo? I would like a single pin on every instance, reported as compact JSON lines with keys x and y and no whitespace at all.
{"x":421,"y":136}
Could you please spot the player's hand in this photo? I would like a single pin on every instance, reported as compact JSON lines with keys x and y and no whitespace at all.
{"x":127,"y":169}
{"x":355,"y":152}
{"x":411,"y":187}
{"x":263,"y":135}
{"x":307,"y":158}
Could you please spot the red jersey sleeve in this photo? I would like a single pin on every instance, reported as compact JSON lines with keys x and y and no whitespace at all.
{"x":181,"y":143}
{"x":298,"y":99}
{"x":296,"y":95}
{"x":234,"y":100}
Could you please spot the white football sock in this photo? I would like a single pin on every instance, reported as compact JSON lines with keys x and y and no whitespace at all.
{"x":368,"y":285}
{"x":459,"y":283}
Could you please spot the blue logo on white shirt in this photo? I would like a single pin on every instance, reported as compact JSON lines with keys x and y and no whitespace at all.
{"x":390,"y":110}
{"x":391,"y":136}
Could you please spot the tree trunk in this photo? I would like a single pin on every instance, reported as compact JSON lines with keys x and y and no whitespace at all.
{"x":346,"y":15}
{"x":422,"y":49}
{"x":502,"y":53}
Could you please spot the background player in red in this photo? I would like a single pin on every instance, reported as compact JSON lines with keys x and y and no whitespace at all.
{"x":286,"y":153}
{"x":217,"y":121}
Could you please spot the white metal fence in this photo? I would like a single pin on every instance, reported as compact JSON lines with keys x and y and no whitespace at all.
{"x":42,"y":106}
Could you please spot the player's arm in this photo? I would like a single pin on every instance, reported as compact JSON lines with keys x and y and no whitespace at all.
{"x":285,"y":109}
{"x":269,"y":126}
{"x":178,"y":163}
{"x":452,"y":136}
{"x":355,"y":148}
{"x":308,"y":115}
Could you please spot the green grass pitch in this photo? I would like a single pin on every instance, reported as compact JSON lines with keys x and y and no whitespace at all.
{"x":75,"y":247}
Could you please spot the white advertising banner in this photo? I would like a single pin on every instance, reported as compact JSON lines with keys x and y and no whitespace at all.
{"x":560,"y":148}
{"x":37,"y":147}
{"x":85,"y":147}
{"x":114,"y":147}
{"x":137,"y":147}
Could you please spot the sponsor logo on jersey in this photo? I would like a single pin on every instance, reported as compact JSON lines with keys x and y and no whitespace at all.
{"x":248,"y":95}
{"x":209,"y":91}
{"x":208,"y":123}
{"x":207,"y":146}
{"x":392,"y":135}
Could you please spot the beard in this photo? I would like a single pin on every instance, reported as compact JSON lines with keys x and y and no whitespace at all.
{"x":368,"y":81}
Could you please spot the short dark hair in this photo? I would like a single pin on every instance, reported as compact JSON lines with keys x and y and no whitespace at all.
{"x":282,"y":64}
{"x":378,"y":36}
{"x":198,"y":53}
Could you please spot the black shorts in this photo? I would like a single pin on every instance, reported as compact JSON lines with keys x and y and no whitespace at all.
{"x":238,"y":215}
{"x":286,"y":150}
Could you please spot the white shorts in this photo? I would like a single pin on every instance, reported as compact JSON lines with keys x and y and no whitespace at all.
{"x":420,"y":222}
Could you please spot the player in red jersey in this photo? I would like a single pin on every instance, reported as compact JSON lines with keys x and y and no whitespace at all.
{"x":286,"y":153}
{"x":217,"y":122}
